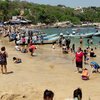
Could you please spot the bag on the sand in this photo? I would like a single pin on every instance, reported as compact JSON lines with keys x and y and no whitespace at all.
{"x":2,"y":59}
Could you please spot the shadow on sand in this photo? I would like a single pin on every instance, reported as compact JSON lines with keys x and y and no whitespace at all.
{"x":10,"y":72}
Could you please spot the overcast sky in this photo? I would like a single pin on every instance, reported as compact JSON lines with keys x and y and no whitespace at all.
{"x":69,"y":3}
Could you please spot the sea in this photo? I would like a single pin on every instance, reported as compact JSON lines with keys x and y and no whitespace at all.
{"x":70,"y":30}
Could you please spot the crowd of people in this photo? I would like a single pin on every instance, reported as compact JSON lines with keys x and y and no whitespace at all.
{"x":24,"y":40}
{"x":87,"y":54}
{"x":64,"y":43}
{"x":27,"y":45}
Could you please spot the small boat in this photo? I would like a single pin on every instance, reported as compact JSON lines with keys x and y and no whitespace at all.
{"x":48,"y":39}
{"x":87,"y":35}
{"x":78,"y":35}
{"x":49,"y":36}
{"x":51,"y":40}
{"x":97,"y":34}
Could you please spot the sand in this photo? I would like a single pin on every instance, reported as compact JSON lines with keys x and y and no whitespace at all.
{"x":49,"y":69}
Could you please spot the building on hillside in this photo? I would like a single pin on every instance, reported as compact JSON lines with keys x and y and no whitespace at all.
{"x":79,"y":9}
{"x":19,"y":20}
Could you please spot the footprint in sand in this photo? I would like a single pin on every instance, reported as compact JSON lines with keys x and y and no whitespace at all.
{"x":51,"y":66}
{"x":11,"y":96}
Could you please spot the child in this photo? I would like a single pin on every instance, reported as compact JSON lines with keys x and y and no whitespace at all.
{"x":24,"y":50}
{"x":17,"y":60}
{"x":73,"y":48}
{"x":17,"y":48}
{"x":95,"y":48}
{"x":94,"y":67}
{"x":53,"y":46}
{"x":81,"y":40}
{"x":91,"y":41}
{"x":85,"y":56}
{"x":85,"y":74}
{"x":64,"y":49}
{"x":32,"y":49}
{"x":92,"y":54}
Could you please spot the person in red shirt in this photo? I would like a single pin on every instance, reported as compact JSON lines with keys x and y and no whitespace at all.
{"x":79,"y":59}
{"x":31,"y":49}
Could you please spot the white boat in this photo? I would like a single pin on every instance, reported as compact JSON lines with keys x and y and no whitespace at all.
{"x":49,"y":36}
{"x":77,"y":35}
{"x":51,"y":40}
{"x":48,"y":39}
{"x":97,"y":34}
{"x":87,"y":35}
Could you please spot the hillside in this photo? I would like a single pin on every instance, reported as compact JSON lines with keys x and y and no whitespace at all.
{"x":46,"y":13}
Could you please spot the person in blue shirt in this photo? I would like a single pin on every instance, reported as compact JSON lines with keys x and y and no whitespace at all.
{"x":95,"y":66}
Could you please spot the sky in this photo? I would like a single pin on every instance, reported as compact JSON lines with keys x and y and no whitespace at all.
{"x":69,"y":3}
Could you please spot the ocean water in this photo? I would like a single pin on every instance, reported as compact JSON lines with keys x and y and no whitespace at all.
{"x":69,"y":30}
{"x":81,"y":30}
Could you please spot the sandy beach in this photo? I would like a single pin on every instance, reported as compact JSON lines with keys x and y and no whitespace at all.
{"x":49,"y":69}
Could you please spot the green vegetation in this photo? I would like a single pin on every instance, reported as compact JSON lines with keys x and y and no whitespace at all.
{"x":46,"y":13}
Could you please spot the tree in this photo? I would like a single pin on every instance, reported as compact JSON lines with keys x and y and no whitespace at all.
{"x":4,"y":6}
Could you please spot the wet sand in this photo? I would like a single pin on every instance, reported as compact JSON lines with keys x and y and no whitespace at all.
{"x":49,"y":69}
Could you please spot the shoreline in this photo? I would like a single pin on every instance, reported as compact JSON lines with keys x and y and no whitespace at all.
{"x":62,"y":25}
{"x":65,"y":25}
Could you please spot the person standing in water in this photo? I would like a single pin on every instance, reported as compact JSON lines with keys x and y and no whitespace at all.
{"x":81,"y":40}
{"x":88,"y":42}
{"x":73,"y":48}
{"x":91,"y":41}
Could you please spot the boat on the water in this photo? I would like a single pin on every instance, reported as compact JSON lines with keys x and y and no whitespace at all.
{"x":78,"y":35}
{"x":97,"y":34}
{"x":49,"y":39}
{"x":87,"y":35}
{"x":36,"y":35}
{"x":46,"y":37}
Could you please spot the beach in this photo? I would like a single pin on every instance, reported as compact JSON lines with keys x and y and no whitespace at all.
{"x":48,"y":69}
